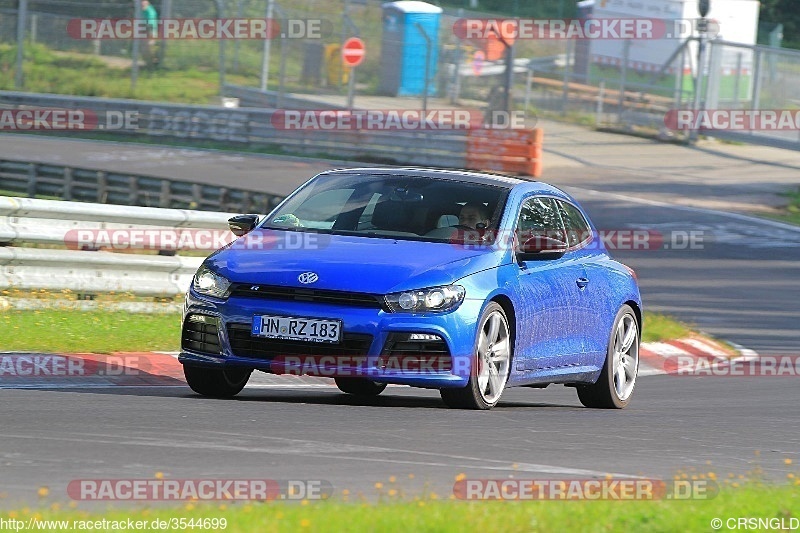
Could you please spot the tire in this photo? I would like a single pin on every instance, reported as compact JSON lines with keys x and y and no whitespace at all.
{"x":216,"y":382}
{"x":491,"y":363}
{"x":611,"y":391}
{"x":359,"y":386}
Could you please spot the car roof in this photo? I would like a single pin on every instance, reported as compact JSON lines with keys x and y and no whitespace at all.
{"x":484,"y":178}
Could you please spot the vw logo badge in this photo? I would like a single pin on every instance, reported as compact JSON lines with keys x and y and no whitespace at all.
{"x":307,"y":277}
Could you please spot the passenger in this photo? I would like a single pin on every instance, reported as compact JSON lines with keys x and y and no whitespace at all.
{"x":473,"y":214}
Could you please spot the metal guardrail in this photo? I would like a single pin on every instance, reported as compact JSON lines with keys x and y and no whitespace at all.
{"x":95,"y":272}
{"x":253,"y":127}
{"x":253,"y":97}
{"x":108,"y":187}
{"x":25,"y":221}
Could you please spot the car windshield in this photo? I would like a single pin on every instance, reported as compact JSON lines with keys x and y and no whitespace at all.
{"x":394,"y":206}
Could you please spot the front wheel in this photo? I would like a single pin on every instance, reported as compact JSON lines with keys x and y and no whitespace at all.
{"x":216,"y":382}
{"x":490,"y":365}
{"x":615,"y":385}
{"x":359,"y":386}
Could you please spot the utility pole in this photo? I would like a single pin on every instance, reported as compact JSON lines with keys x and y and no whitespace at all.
{"x":22,"y":15}
{"x":267,"y":43}
{"x":702,"y":26}
{"x":137,"y":15}
{"x":428,"y":49}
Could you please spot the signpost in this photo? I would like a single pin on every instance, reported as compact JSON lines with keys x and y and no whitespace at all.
{"x":353,"y":53}
{"x":478,"y":60}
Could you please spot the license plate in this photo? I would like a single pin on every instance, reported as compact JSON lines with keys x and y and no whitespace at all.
{"x":297,"y":329}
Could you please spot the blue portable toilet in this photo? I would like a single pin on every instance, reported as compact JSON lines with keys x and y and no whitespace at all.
{"x":404,"y":48}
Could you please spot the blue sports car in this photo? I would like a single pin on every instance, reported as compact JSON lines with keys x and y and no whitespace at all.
{"x":459,"y":281}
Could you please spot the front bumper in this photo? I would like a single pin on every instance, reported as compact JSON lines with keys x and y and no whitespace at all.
{"x":456,"y":328}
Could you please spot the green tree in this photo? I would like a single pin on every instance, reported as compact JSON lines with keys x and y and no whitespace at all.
{"x":785,"y":12}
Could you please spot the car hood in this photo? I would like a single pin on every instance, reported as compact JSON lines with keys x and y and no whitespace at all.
{"x":359,"y":264}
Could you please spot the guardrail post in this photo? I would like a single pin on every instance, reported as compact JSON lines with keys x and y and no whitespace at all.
{"x":67,"y":184}
{"x":102,"y":187}
{"x":164,"y":199}
{"x":134,"y":194}
{"x":32,"y":175}
{"x":197,"y":195}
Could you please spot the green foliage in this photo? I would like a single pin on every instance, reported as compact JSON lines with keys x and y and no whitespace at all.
{"x":520,"y":8}
{"x":784,"y":12}
{"x":400,"y":513}
{"x":88,"y":331}
{"x":48,"y":71}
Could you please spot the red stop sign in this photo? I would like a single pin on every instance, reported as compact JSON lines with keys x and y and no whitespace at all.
{"x":353,"y":52}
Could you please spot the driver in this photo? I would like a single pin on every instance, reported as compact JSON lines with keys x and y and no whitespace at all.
{"x":473,"y":214}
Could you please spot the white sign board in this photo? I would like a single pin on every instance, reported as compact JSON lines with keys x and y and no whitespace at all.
{"x":737,"y":22}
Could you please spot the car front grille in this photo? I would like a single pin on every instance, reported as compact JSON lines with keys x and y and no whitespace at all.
{"x":271,"y":292}
{"x":243,"y":344}
{"x":201,"y":334}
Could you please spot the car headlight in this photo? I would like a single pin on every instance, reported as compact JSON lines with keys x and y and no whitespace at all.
{"x":210,"y":283}
{"x":435,"y":299}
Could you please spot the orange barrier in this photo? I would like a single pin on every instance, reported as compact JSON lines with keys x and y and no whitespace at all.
{"x":518,"y":151}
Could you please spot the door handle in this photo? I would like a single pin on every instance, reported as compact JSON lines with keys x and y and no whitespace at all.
{"x":582,"y":282}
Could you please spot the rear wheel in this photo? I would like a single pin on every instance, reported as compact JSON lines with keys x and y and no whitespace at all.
{"x":615,"y":385}
{"x":216,"y":382}
{"x":490,"y":365}
{"x":359,"y":386}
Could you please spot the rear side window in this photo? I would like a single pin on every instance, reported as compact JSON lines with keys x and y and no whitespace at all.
{"x":578,"y":230}
{"x":539,"y":218}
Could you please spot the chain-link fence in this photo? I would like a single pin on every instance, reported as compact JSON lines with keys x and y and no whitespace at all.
{"x":756,"y":78}
{"x":297,"y":62}
{"x":603,"y":83}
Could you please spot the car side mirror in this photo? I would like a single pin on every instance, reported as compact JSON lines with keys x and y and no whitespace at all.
{"x":540,"y":248}
{"x":242,"y":224}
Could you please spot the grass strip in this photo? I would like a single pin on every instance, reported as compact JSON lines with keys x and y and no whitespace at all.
{"x":776,"y":504}
{"x":106,"y":331}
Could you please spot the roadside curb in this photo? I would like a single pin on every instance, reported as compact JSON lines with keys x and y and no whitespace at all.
{"x":162,"y":369}
{"x":664,"y":357}
{"x":34,"y":370}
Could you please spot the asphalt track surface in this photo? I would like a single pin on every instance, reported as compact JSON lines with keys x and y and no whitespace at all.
{"x":741,"y":284}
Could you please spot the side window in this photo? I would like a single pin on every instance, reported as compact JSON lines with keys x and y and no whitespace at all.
{"x":578,"y":230}
{"x":539,"y":218}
